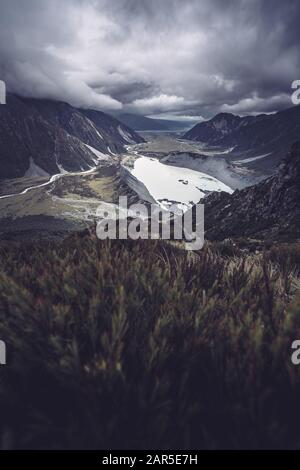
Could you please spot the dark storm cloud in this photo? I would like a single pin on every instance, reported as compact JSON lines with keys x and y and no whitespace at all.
{"x":171,"y":57}
{"x":125,"y":92}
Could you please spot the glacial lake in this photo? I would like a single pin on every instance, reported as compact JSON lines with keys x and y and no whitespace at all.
{"x":175,"y":185}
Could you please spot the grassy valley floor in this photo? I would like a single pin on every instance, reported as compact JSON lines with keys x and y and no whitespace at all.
{"x":66,"y":205}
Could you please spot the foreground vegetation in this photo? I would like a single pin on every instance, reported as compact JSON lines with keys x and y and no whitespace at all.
{"x":143,"y":345}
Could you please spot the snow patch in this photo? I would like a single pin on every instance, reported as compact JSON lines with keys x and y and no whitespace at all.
{"x":34,"y":170}
{"x":98,"y":133}
{"x":100,"y":156}
{"x":110,"y":151}
{"x":61,"y":169}
{"x":125,"y":135}
{"x":249,"y":160}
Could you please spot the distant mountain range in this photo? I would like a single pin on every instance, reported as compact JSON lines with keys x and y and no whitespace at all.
{"x":39,"y":137}
{"x":262,"y":140}
{"x":269,"y":210}
{"x":143,"y":123}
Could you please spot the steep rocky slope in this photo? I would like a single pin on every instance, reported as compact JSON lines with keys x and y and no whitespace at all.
{"x":42,"y":136}
{"x":95,"y":128}
{"x":268,"y":210}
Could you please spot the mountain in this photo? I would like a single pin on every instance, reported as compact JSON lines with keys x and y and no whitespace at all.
{"x":261,"y":140}
{"x":143,"y":123}
{"x":269,"y":210}
{"x":46,"y":137}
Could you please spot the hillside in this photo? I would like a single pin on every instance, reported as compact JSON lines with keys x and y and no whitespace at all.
{"x":268,"y":210}
{"x":39,"y":137}
{"x":264,"y":138}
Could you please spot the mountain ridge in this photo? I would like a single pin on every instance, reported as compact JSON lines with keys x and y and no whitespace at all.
{"x":144,"y":123}
{"x":55,"y":136}
{"x":266,"y":138}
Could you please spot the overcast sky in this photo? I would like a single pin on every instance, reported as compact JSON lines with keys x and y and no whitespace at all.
{"x":188,"y":58}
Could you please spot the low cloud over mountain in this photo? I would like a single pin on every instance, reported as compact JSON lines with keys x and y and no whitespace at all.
{"x":152,"y":57}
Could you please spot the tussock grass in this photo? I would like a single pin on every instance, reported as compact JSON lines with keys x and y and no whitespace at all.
{"x":141,"y":345}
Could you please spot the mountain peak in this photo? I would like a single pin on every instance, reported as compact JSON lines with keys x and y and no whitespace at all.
{"x":226,"y":116}
{"x":251,"y":137}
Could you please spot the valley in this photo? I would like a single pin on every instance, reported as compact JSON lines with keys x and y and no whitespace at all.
{"x":173,"y":150}
{"x":149,"y":229}
{"x":163,"y":169}
{"x":67,"y":202}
